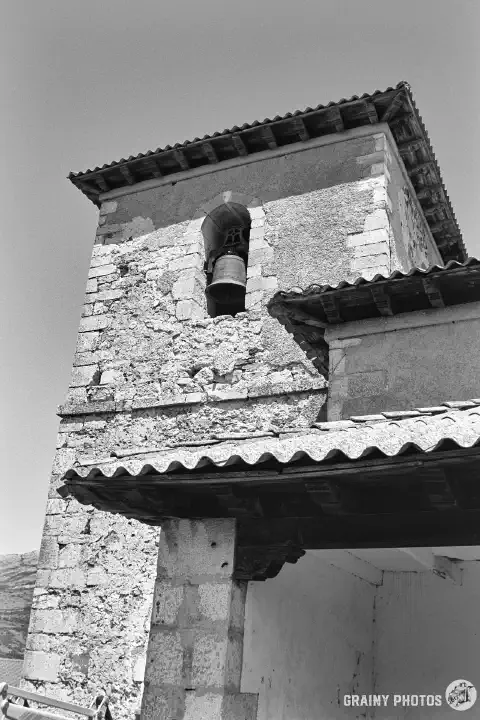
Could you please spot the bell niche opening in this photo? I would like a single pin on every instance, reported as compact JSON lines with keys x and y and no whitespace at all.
{"x":226,"y":233}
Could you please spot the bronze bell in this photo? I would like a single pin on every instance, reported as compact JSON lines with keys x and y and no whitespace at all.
{"x":229,"y":280}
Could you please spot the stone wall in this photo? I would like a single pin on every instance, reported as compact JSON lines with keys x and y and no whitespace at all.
{"x":91,"y":606}
{"x":418,"y":359}
{"x":412,"y":241}
{"x":152,"y":369}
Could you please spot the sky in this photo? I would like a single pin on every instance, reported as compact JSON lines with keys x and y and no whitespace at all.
{"x":86,"y":83}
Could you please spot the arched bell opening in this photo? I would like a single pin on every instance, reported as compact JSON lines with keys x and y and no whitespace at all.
{"x":226,"y":231}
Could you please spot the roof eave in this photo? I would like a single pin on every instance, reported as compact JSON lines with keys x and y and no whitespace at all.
{"x":394,"y":106}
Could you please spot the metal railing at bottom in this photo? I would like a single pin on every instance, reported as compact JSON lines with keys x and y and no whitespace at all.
{"x":15,"y":705}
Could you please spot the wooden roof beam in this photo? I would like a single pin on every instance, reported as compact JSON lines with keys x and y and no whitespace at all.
{"x":330,"y":306}
{"x":152,"y":166}
{"x":300,"y":129}
{"x":269,"y":137}
{"x":381,"y":300}
{"x":433,"y":209}
{"x":433,"y":292}
{"x":410,"y":145}
{"x":334,"y":116}
{"x":179,"y":156}
{"x":127,"y":174}
{"x":102,"y":183}
{"x":371,"y":113}
{"x":441,"y":226}
{"x":426,"y":191}
{"x":240,"y":146}
{"x":420,"y":168}
{"x":393,"y":108}
{"x":209,"y":151}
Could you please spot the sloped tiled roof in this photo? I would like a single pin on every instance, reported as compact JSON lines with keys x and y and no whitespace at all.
{"x":306,"y":313}
{"x":11,"y":671}
{"x":390,"y":434}
{"x":394,"y":106}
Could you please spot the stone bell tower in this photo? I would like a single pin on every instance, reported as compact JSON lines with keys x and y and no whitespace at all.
{"x":176,"y":351}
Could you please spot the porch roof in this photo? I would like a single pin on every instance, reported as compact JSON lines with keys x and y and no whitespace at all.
{"x":307,"y":313}
{"x":396,"y":479}
{"x":384,"y":435}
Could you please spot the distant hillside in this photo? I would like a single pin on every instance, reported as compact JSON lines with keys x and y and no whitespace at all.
{"x":17,"y":580}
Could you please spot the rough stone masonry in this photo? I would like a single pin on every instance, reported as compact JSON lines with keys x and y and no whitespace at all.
{"x":153,"y":370}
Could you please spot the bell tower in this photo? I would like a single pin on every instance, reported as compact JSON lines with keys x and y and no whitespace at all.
{"x":176,"y":352}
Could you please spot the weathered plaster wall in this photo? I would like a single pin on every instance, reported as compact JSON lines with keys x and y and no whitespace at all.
{"x":412,"y":241}
{"x":425,"y":638}
{"x":413,"y":360}
{"x":308,"y":641}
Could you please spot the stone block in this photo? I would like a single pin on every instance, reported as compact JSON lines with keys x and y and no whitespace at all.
{"x":67,"y":578}
{"x":372,"y":249}
{"x":56,"y":507}
{"x":367,"y":238}
{"x":139,"y":669}
{"x":190,"y":284}
{"x":99,"y":260}
{"x":69,"y":556}
{"x":167,"y":599}
{"x":48,"y":555}
{"x":364,"y":262}
{"x":376,"y":220}
{"x":378,"y":169}
{"x":85,"y":358}
{"x":108,"y":269}
{"x":94,"y":322}
{"x":107,"y":279}
{"x":44,"y":600}
{"x":262,"y":283}
{"x":206,"y":706}
{"x":254,"y":271}
{"x":164,"y":658}
{"x":193,"y":260}
{"x":41,"y":666}
{"x":224,"y":395}
{"x":164,"y":703}
{"x":111,"y":377}
{"x":53,"y":621}
{"x":108,"y":207}
{"x":189,"y":310}
{"x":256,"y":212}
{"x":214,"y":600}
{"x":87,"y":341}
{"x":261,"y":256}
{"x":39,"y":642}
{"x":192,"y":548}
{"x":96,"y":576}
{"x":194,"y":397}
{"x":209,"y":661}
{"x":371,"y":158}
{"x":92,"y":286}
{"x":84,"y":375}
{"x":109,"y":295}
{"x":64,"y":458}
{"x":255,"y":300}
